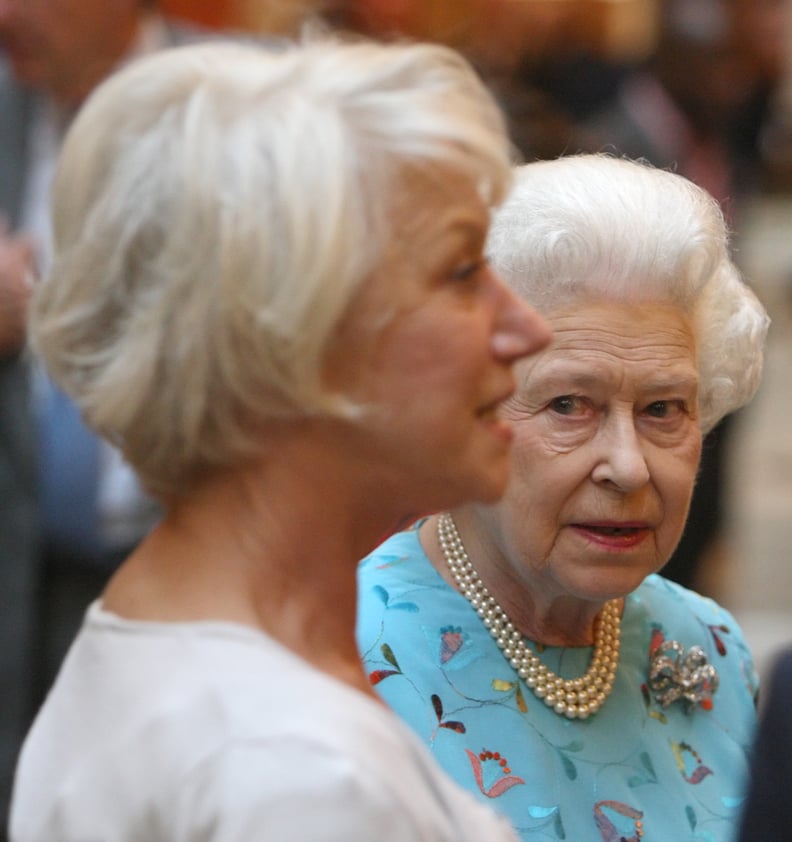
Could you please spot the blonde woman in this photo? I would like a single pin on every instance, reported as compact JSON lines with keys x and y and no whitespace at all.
{"x":269,"y":290}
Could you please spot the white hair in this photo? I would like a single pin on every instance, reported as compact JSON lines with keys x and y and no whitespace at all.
{"x":594,"y":227}
{"x":216,"y":208}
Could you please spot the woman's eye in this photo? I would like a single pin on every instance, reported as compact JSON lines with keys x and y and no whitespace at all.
{"x":565,"y":404}
{"x":470,"y":270}
{"x":665,"y":409}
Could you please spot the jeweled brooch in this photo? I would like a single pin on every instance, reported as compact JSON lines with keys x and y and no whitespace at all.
{"x":676,"y":674}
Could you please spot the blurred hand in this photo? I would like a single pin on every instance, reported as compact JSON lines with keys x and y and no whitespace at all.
{"x":16,"y":272}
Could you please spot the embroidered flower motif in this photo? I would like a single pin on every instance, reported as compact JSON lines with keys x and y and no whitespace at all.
{"x":606,"y":821}
{"x":719,"y":644}
{"x":451,"y":724}
{"x":502,"y":784}
{"x":394,"y":605}
{"x":379,"y":675}
{"x":451,"y":641}
{"x":675,"y":674}
{"x":699,"y":772}
{"x":501,"y":686}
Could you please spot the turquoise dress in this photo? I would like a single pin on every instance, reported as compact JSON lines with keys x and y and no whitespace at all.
{"x":633,"y":771}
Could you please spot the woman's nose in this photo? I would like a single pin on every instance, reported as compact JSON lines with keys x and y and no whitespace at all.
{"x":519,"y":330}
{"x":621,"y":460}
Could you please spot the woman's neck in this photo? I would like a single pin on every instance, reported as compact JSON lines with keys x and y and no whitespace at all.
{"x":274,"y":546}
{"x":553,"y":618}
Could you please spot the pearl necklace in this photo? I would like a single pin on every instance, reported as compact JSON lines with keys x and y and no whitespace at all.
{"x":576,"y":698}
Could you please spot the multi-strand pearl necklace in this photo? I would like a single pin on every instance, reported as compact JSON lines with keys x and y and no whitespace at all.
{"x":575,"y":698}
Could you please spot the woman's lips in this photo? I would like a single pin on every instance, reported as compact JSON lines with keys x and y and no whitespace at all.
{"x":615,"y":536}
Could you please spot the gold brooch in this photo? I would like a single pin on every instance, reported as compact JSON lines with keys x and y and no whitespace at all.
{"x":675,"y":674}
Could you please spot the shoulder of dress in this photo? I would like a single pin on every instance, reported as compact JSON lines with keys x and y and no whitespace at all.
{"x":394,"y":551}
{"x":679,"y":610}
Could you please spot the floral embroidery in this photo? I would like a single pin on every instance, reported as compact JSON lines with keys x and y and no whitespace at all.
{"x":450,"y":647}
{"x":451,"y":641}
{"x":502,"y":784}
{"x":646,"y":775}
{"x":508,"y":686}
{"x":699,"y":772}
{"x":549,"y":814}
{"x":719,"y":645}
{"x":657,"y":637}
{"x":570,"y":769}
{"x":451,"y":724}
{"x":385,"y":598}
{"x":378,"y":675}
{"x":606,"y":826}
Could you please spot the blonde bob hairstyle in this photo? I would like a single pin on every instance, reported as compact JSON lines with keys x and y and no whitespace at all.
{"x":216,"y":208}
{"x":598,"y":228}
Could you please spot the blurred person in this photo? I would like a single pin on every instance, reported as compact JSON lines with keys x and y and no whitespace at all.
{"x":767,"y":34}
{"x":767,"y":812}
{"x":691,"y":105}
{"x":761,"y":31}
{"x":19,"y":527}
{"x":531,"y":643}
{"x":298,"y":346}
{"x":674,"y":110}
{"x":504,"y":40}
{"x":69,"y":507}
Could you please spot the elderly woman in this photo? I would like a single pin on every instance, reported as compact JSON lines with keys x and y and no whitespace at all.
{"x":269,"y":290}
{"x":531,"y":642}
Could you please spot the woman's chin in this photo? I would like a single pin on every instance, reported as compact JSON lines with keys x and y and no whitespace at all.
{"x":612,"y":583}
